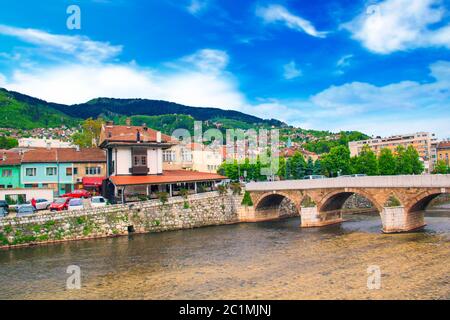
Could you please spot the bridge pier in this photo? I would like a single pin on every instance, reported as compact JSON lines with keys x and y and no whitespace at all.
{"x":397,"y":219}
{"x":311,"y":217}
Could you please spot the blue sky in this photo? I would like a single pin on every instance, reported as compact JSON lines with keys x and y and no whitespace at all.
{"x":381,"y":67}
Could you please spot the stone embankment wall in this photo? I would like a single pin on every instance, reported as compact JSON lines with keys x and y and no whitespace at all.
{"x":148,"y":216}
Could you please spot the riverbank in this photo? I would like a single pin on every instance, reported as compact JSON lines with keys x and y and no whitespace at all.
{"x":176,"y":213}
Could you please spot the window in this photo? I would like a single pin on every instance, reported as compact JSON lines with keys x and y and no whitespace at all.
{"x":75,"y":171}
{"x":2,"y":186}
{"x":30,"y":172}
{"x":186,"y":155}
{"x":93,"y":170}
{"x":168,"y":155}
{"x":50,"y":171}
{"x":140,"y":161}
{"x":69,"y":171}
{"x":6,"y":173}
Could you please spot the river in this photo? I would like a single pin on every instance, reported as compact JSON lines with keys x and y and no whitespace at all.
{"x":267,"y":260}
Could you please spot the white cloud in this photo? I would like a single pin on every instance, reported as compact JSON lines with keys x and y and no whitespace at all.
{"x":344,"y":61}
{"x":290,"y":71}
{"x":205,"y":60}
{"x":277,"y":13}
{"x":398,"y":25}
{"x":83,"y":48}
{"x":197,"y":6}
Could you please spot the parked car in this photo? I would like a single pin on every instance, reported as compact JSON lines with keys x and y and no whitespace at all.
{"x":41,"y":204}
{"x":3,"y":212}
{"x":25,"y":210}
{"x":79,"y":193}
{"x":314,"y":176}
{"x":75,"y":204}
{"x":98,"y":201}
{"x":59,"y":204}
{"x":359,"y":175}
{"x":4,"y":205}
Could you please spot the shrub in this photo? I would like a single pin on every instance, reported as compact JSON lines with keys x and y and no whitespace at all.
{"x":222,"y":189}
{"x":247,"y":200}
{"x":392,"y":202}
{"x":163,"y":197}
{"x":308,"y":202}
{"x":236,"y":188}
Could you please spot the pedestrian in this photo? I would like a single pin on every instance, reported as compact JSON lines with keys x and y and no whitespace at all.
{"x":33,"y":203}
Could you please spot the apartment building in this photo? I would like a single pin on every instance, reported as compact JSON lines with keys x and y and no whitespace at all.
{"x":423,"y":142}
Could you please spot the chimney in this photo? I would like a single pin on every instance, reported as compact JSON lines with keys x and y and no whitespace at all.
{"x":109,"y":123}
{"x":128,"y":121}
{"x":144,"y":126}
{"x":4,"y":156}
{"x":77,"y":148}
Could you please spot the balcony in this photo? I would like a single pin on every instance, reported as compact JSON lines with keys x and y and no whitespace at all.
{"x":139,"y":170}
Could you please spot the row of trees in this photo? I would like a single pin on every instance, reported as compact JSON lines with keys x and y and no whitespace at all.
{"x":336,"y":162}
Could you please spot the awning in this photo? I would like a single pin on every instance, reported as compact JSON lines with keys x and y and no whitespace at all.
{"x":168,"y":176}
{"x":92,"y":181}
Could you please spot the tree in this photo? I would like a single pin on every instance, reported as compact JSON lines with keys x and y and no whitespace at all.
{"x":386,"y":162}
{"x":310,"y":167}
{"x":298,"y":165}
{"x":413,"y":158}
{"x":317,"y":167}
{"x":90,"y":133}
{"x":366,"y":162}
{"x":337,"y":161}
{"x":8,"y":143}
{"x":441,"y":167}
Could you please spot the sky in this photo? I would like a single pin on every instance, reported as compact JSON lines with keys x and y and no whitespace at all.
{"x":380,"y":67}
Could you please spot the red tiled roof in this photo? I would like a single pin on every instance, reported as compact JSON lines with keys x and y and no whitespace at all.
{"x":8,"y":158}
{"x":129,"y":134}
{"x":168,"y":176}
{"x":64,"y":155}
{"x":444,"y":145}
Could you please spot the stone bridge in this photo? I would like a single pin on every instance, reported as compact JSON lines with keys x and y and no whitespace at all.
{"x":400,"y":200}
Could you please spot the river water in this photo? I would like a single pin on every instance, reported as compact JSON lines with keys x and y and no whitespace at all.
{"x":267,"y":260}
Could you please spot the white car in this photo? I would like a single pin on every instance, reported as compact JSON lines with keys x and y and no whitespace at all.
{"x":41,"y":204}
{"x":75,"y":204}
{"x":98,"y":201}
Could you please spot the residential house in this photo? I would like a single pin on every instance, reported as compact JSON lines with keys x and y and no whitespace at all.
{"x":443,"y":152}
{"x":9,"y":169}
{"x":135,"y":165}
{"x":61,"y":169}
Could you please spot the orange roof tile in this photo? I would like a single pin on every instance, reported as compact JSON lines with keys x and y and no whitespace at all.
{"x":168,"y":176}
{"x":8,"y":158}
{"x":64,"y":155}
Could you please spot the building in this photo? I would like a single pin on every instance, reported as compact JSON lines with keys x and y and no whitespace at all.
{"x":443,"y":152}
{"x":289,"y":152}
{"x":9,"y":169}
{"x":135,"y":165}
{"x":43,"y":143}
{"x":194,"y":156}
{"x":63,"y":169}
{"x":423,"y":142}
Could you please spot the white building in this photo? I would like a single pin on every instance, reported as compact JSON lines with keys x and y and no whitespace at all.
{"x":43,"y":143}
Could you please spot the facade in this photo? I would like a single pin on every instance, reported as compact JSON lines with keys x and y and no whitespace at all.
{"x":61,"y":169}
{"x":443,"y":151}
{"x":9,"y":170}
{"x":135,"y":165}
{"x":423,"y":142}
{"x":194,"y":157}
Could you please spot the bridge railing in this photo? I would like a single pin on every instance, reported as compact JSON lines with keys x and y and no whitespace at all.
{"x":401,"y":181}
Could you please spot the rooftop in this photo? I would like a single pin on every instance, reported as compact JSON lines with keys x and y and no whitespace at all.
{"x":42,"y":155}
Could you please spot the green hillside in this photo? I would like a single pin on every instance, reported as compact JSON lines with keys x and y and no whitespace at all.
{"x":22,"y":115}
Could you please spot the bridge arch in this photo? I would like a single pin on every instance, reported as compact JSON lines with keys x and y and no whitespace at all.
{"x":274,"y":205}
{"x":421,"y":202}
{"x":335,"y":200}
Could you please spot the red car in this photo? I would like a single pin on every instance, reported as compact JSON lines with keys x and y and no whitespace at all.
{"x":80,"y":193}
{"x":59,"y":204}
